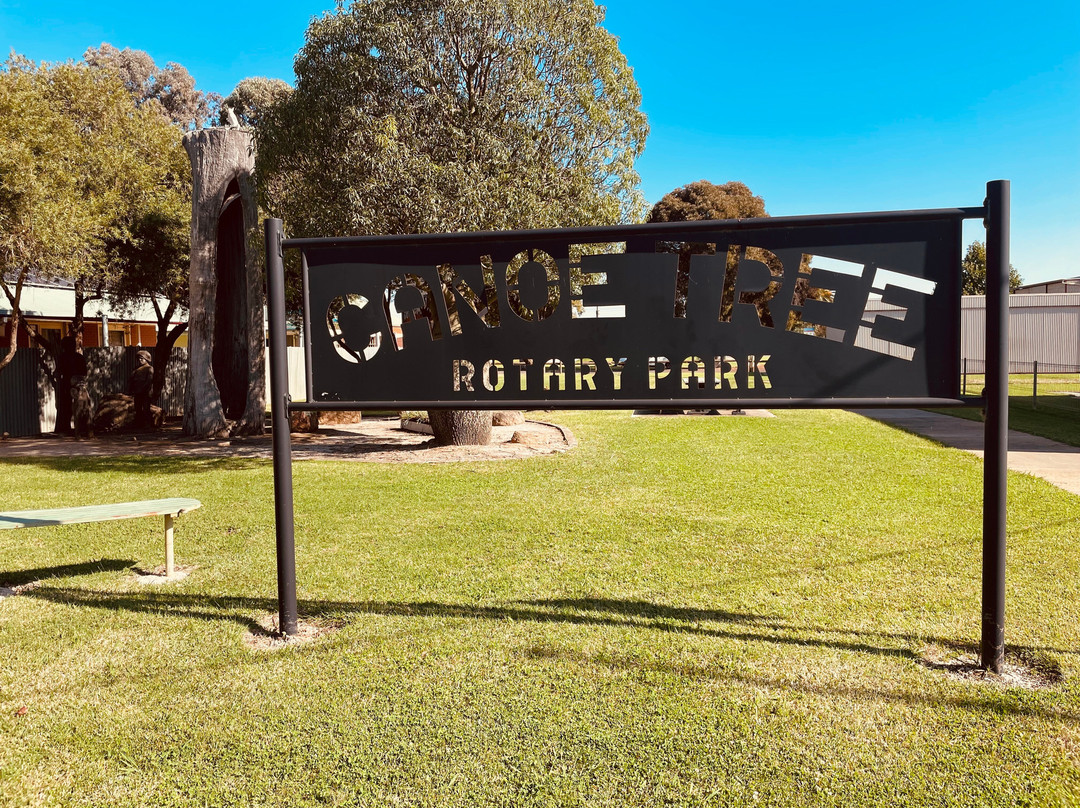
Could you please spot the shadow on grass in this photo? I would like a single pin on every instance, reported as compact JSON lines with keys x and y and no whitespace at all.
{"x":22,"y":577}
{"x":628,"y":614}
{"x":993,"y":701}
{"x":138,"y":464}
{"x":633,"y":614}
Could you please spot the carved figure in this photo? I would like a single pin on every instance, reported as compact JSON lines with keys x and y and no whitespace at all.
{"x":141,"y":383}
{"x":81,"y":408}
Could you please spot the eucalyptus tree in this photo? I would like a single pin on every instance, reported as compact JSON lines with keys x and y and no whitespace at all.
{"x":83,"y":168}
{"x":171,"y":88}
{"x":449,"y":115}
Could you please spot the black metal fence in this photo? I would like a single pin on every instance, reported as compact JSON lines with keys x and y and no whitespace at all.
{"x":1050,"y":387}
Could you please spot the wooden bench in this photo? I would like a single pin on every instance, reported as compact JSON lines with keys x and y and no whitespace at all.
{"x":168,"y":508}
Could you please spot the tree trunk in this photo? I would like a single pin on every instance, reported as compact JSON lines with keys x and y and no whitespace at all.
{"x":14,"y":298}
{"x":63,"y":379}
{"x":222,"y":163}
{"x":461,"y":427}
{"x":13,"y":330}
{"x":162,"y":353}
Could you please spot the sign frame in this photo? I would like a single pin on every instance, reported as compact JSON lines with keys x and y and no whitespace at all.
{"x":994,"y":212}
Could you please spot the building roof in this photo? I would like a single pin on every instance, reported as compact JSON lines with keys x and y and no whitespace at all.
{"x":55,"y":300}
{"x":1043,"y":285}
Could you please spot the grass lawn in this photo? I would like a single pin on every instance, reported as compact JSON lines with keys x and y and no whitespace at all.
{"x":681,"y":611}
{"x":1056,"y":415}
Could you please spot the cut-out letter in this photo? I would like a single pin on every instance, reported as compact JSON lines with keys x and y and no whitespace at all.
{"x":542,"y":279}
{"x":659,"y":368}
{"x":521,"y":365}
{"x":496,"y":366}
{"x":584,"y":371}
{"x":554,"y":368}
{"x":724,"y":369}
{"x":616,"y":368}
{"x":757,"y":368}
{"x":693,"y":368}
{"x":341,"y":320}
{"x":463,"y":374}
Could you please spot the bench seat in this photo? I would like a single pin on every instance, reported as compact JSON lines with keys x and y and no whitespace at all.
{"x":168,"y":508}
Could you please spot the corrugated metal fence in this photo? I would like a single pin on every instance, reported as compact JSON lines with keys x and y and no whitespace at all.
{"x":28,"y":398}
{"x":20,"y":382}
{"x":1042,"y":328}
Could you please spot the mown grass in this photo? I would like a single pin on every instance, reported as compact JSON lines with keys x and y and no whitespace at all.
{"x":682,"y":611}
{"x":1053,"y":414}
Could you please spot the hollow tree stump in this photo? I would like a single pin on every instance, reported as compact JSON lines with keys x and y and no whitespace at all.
{"x":226,"y":382}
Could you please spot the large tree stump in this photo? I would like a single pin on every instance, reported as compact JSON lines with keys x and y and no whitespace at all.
{"x":461,"y":427}
{"x":225,"y":328}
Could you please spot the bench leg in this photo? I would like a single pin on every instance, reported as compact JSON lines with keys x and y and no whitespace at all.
{"x":168,"y":545}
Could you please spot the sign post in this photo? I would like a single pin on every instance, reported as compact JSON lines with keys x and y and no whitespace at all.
{"x":996,"y":435}
{"x":279,"y":415}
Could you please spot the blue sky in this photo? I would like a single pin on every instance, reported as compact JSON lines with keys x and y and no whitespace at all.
{"x":821,"y":107}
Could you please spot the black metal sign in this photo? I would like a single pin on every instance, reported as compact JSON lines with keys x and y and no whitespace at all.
{"x":815,"y":311}
{"x":780,"y":310}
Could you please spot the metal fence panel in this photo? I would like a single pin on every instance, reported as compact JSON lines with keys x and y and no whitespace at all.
{"x":19,"y":413}
{"x":1042,"y":328}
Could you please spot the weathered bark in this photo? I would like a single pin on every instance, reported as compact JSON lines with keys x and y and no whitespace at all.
{"x":461,"y":427}
{"x":222,"y":162}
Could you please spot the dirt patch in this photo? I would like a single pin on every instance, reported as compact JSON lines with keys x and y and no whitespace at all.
{"x":374,"y":440}
{"x":12,"y":591}
{"x":267,"y":637}
{"x":1020,"y":669}
{"x":157,"y":575}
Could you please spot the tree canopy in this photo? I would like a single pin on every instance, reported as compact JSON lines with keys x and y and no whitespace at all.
{"x":171,"y":87}
{"x":441,"y":115}
{"x":704,"y":200}
{"x":84,"y":171}
{"x":251,"y":98}
{"x":695,"y":202}
{"x":973,"y":271}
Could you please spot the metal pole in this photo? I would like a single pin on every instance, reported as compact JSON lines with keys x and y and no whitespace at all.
{"x":996,"y":436}
{"x":279,"y":419}
{"x":963,"y":387}
{"x":1035,"y":384}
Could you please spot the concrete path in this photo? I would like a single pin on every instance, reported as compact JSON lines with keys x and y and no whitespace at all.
{"x":1055,"y":462}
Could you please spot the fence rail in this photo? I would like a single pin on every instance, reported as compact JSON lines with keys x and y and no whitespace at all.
{"x":1052,"y":387}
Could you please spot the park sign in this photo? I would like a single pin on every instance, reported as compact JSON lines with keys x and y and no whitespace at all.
{"x":846,"y":310}
{"x":790,"y":311}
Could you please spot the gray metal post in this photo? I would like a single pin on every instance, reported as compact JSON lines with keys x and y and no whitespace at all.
{"x":279,"y":415}
{"x":1035,"y":384}
{"x":996,"y":436}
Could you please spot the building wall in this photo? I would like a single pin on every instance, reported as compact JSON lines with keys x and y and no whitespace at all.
{"x":51,"y":307}
{"x":1042,"y":328}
